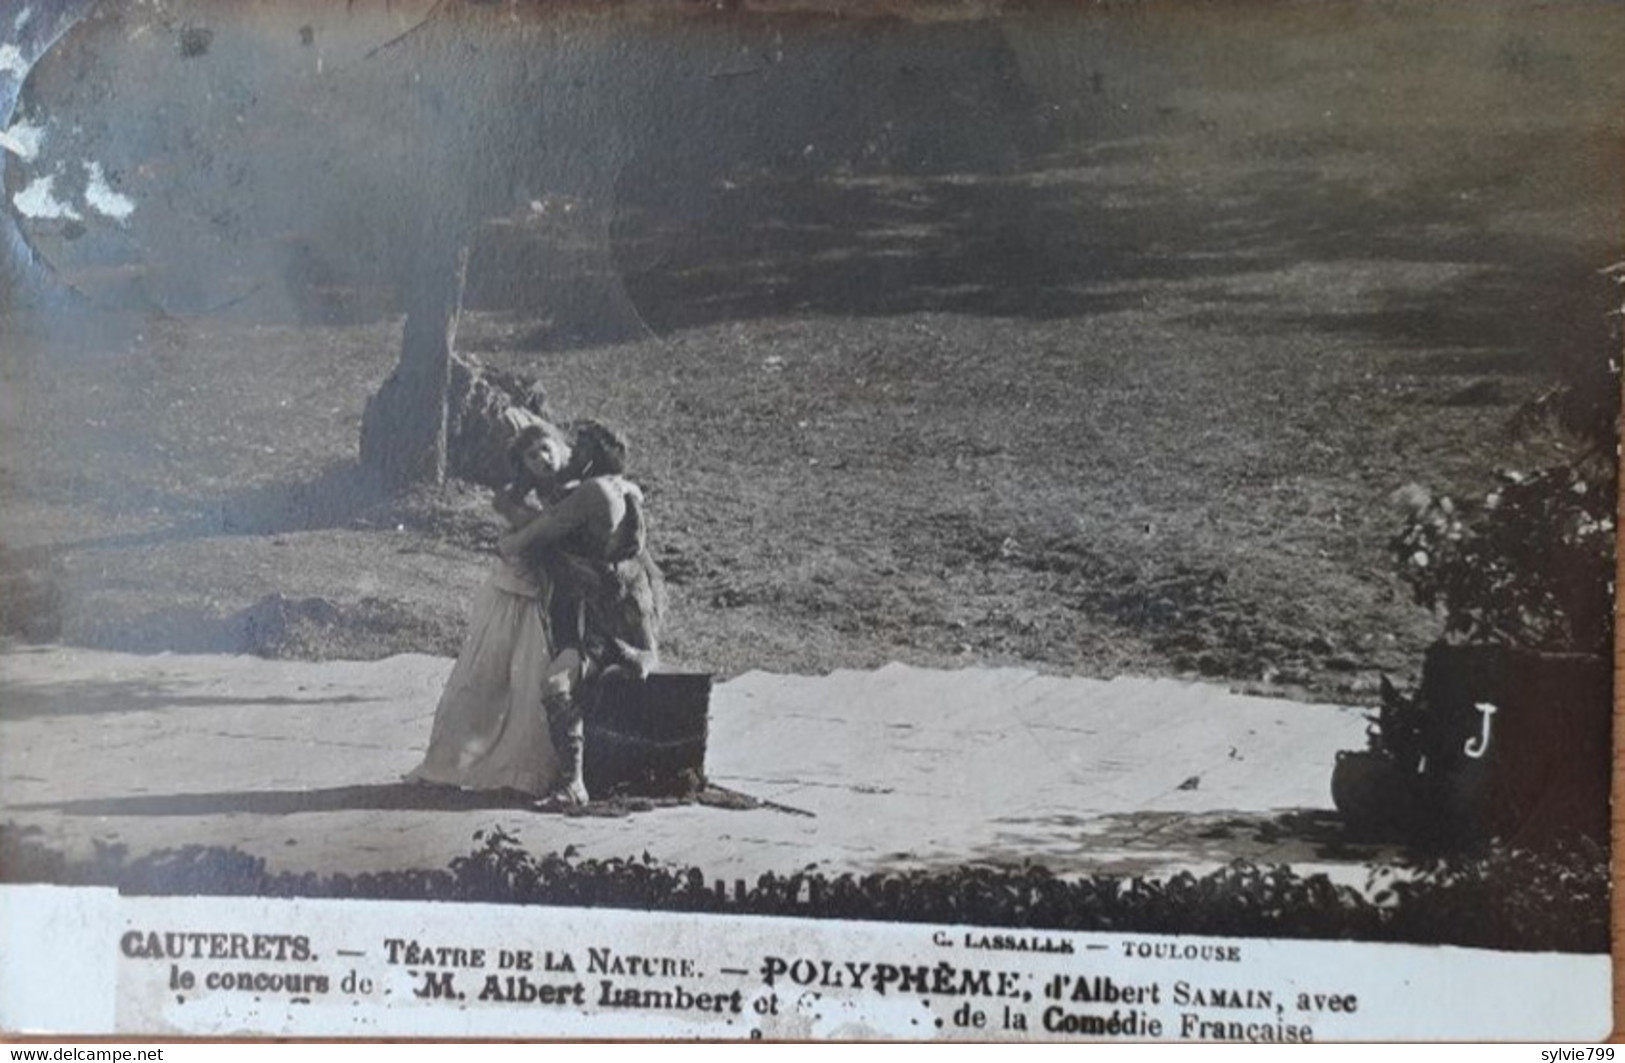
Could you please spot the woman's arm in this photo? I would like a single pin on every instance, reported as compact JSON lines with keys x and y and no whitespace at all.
{"x":512,"y":508}
{"x":586,"y":503}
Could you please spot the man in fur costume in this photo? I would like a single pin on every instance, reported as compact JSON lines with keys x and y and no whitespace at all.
{"x":608,"y":593}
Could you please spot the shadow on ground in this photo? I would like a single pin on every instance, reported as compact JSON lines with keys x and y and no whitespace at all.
{"x":390,"y":797}
{"x":375,"y":798}
{"x":1131,"y":839}
{"x":279,"y":627}
{"x":25,"y":701}
{"x":1056,"y":241}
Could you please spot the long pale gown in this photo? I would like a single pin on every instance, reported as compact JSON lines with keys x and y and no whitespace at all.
{"x":490,"y":731}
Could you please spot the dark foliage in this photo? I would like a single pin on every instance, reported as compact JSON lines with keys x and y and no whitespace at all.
{"x":1507,"y":899}
{"x":1532,"y":563}
{"x":1529,"y":566}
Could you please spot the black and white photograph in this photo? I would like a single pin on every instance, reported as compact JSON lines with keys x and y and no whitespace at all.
{"x":1115,"y":496}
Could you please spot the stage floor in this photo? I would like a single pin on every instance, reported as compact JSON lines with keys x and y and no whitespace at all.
{"x":901,"y":767}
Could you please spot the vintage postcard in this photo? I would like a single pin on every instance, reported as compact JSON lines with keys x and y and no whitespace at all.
{"x":806,"y":520}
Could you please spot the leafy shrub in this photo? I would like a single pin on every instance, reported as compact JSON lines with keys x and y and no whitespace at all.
{"x":1531,"y":564}
{"x":1506,"y":899}
{"x":1563,"y":889}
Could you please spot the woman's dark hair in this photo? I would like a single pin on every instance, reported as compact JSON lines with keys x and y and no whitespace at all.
{"x":599,"y":450}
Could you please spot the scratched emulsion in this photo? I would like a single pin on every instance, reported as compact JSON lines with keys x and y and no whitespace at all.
{"x":22,"y":42}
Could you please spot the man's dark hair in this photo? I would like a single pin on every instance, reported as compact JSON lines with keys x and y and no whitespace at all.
{"x":599,"y":450}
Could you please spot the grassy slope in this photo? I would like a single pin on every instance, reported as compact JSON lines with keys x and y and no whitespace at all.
{"x":1132,"y":405}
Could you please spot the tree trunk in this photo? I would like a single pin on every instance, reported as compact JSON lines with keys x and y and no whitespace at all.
{"x":403,"y":429}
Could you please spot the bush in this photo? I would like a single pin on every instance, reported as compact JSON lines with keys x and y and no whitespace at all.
{"x":1505,"y":899}
{"x":1531,"y":564}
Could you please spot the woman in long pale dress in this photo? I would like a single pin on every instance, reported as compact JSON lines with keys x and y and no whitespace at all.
{"x":490,"y":730}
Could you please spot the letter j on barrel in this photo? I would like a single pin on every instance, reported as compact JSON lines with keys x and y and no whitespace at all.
{"x":1479,"y":744}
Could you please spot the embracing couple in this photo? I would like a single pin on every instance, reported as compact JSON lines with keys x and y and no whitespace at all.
{"x":573,"y":602}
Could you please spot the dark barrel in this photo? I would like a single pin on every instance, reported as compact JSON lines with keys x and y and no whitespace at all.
{"x":647,"y":739}
{"x":1544,"y":773}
